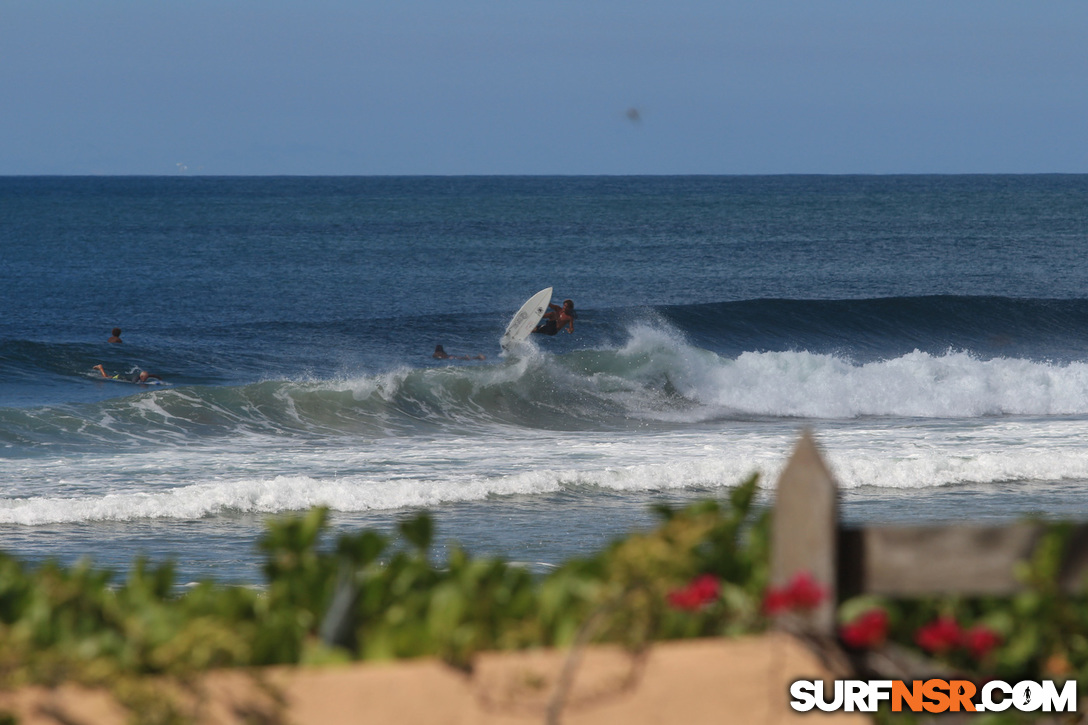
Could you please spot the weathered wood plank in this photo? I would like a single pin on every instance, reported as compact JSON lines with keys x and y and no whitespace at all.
{"x":964,"y":559}
{"x":1073,"y":577}
{"x":904,"y":561}
{"x":923,"y":560}
{"x":804,"y":533}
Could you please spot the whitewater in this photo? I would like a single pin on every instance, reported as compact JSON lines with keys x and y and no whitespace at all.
{"x":655,"y":414}
{"x":930,"y":331}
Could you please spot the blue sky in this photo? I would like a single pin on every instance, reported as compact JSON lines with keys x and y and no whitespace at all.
{"x":542,"y":87}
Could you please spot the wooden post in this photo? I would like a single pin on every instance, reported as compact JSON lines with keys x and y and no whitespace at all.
{"x":804,"y":533}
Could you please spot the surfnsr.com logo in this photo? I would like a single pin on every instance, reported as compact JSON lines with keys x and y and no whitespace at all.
{"x":934,"y":696}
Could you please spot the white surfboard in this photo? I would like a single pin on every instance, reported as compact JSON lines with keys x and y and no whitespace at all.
{"x":526,"y":319}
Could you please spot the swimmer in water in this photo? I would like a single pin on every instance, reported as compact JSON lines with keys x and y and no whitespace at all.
{"x":441,"y":354}
{"x":142,"y":377}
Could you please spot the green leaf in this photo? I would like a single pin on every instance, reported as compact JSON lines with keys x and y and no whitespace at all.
{"x":418,"y":531}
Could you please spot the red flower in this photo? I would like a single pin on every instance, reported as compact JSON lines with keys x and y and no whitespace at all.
{"x":868,"y":630}
{"x":776,"y":601}
{"x":805,"y":591}
{"x":684,"y":599}
{"x":802,"y":592}
{"x":707,"y":585}
{"x":700,"y":591}
{"x":939,"y":636}
{"x":980,"y":639}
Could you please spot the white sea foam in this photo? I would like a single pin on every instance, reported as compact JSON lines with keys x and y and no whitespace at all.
{"x":443,"y":470}
{"x":656,"y":414}
{"x":808,"y":385}
{"x":278,"y":494}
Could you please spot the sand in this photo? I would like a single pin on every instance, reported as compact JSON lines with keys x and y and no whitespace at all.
{"x":742,"y":680}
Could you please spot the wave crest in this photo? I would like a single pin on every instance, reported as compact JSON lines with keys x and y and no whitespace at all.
{"x":655,"y":377}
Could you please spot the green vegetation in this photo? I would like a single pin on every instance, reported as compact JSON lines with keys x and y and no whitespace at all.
{"x":702,"y":572}
{"x":366,"y":599}
{"x":1039,"y":633}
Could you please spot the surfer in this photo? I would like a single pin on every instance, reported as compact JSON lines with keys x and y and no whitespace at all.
{"x":115,"y":335}
{"x":142,"y":377}
{"x":557,"y":318}
{"x":441,"y":354}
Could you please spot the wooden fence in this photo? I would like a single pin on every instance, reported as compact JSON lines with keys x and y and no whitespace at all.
{"x":905,"y":561}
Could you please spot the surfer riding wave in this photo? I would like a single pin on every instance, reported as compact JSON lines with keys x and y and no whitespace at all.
{"x":556,"y":319}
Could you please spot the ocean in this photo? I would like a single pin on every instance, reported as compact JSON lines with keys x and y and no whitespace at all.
{"x":932,"y":331}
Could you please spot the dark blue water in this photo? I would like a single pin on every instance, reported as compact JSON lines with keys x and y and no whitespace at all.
{"x":931,"y":328}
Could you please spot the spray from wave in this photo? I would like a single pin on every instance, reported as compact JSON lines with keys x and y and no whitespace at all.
{"x":808,"y":385}
{"x":655,"y":377}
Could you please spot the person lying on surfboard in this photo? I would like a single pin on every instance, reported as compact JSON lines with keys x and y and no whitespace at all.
{"x":557,"y":318}
{"x":142,"y":377}
{"x":441,"y":354}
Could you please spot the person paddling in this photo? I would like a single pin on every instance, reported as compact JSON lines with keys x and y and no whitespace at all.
{"x":142,"y":377}
{"x":441,"y":354}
